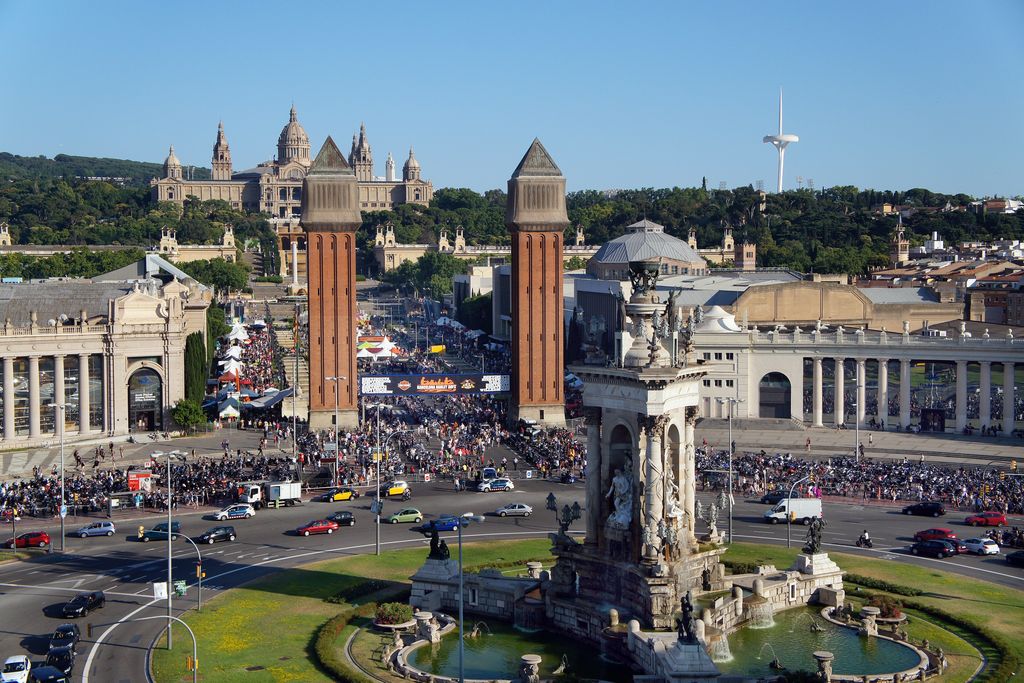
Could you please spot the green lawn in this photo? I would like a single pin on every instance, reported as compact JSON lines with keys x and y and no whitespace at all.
{"x":265,"y":631}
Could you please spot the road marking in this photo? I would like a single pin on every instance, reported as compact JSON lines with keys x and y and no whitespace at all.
{"x":103,"y":636}
{"x":57,"y":588}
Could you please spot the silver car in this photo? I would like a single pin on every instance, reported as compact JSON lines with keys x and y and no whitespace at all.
{"x":96,"y":529}
{"x":512,"y":509}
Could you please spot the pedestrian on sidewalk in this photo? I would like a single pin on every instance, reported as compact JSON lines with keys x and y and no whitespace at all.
{"x":807,"y":444}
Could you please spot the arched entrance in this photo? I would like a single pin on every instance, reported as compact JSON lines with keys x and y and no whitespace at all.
{"x":145,"y":400}
{"x":775,"y":392}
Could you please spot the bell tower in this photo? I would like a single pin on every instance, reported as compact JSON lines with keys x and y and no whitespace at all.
{"x":330,"y":217}
{"x":536,"y":218}
{"x":221,"y":163}
{"x":899,"y":252}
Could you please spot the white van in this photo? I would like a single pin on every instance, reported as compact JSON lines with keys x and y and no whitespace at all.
{"x":799,"y":510}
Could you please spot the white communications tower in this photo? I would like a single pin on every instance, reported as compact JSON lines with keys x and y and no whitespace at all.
{"x":781,"y":141}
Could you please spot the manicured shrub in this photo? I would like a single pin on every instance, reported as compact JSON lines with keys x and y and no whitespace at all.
{"x":393,"y":613}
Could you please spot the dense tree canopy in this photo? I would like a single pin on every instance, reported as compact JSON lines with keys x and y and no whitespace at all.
{"x":224,"y":275}
{"x":430,"y":274}
{"x":79,"y":262}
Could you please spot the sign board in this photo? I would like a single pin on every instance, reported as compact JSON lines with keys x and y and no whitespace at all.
{"x":377,"y":456}
{"x":63,"y":511}
{"x":179,"y":588}
{"x":159,"y":590}
{"x":425,"y":385}
{"x":376,"y":507}
{"x":140,"y":480}
{"x":331,"y":447}
{"x":426,"y":478}
{"x":529,"y":474}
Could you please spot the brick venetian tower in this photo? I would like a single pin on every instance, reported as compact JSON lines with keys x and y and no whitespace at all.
{"x":536,"y":219}
{"x":330,"y":217}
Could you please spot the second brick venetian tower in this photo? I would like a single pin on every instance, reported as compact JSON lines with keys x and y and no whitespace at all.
{"x":536,"y":219}
{"x":330,"y":217}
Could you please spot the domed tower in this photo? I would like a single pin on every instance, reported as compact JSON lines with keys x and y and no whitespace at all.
{"x":362,"y":157}
{"x":221,"y":163}
{"x":172,"y":167}
{"x":293,"y":143}
{"x":411,"y":170}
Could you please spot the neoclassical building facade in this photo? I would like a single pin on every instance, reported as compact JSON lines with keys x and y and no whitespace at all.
{"x":101,"y":357}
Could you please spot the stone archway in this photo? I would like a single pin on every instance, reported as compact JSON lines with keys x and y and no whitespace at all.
{"x":774,"y":395}
{"x":145,"y":400}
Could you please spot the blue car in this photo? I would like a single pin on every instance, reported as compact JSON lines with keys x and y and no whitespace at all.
{"x":443,"y":523}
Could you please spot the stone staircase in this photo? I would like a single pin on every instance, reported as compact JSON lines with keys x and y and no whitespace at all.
{"x":286,"y":340}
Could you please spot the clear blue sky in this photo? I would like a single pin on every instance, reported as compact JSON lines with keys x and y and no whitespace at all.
{"x":890,"y":95}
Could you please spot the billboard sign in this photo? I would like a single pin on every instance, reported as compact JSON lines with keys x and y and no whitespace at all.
{"x":425,"y":385}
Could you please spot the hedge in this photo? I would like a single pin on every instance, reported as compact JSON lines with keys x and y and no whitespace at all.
{"x":331,"y":653}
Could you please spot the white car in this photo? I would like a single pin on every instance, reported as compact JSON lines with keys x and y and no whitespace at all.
{"x":236,"y":511}
{"x":981,"y":546}
{"x":16,"y":669}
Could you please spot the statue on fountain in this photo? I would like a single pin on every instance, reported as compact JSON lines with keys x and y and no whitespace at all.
{"x":814,"y":534}
{"x":438,"y":548}
{"x":685,"y":626}
{"x":621,"y":493}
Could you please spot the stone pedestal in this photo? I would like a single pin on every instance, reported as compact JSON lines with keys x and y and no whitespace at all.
{"x":824,"y":660}
{"x":427,"y":627}
{"x":818,"y":564}
{"x":688,"y":662}
{"x":529,"y":669}
{"x":869,"y":620}
{"x":430,"y":583}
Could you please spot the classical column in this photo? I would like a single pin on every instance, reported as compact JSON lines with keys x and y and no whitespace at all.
{"x":33,"y":396}
{"x":83,"y":393}
{"x":817,"y":392}
{"x":1008,"y":413}
{"x":839,"y":399}
{"x":689,"y":483}
{"x":58,"y":395}
{"x":883,"y":391}
{"x":985,"y":402}
{"x":8,"y":398}
{"x":593,"y":471}
{"x":961,"y":396}
{"x":654,"y":475}
{"x":861,"y":390}
{"x":904,"y":393}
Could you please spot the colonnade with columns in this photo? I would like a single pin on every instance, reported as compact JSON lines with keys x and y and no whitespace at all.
{"x":36,"y":406}
{"x":882,"y":390}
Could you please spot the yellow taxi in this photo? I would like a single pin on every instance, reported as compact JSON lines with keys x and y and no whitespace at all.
{"x":340,"y":494}
{"x":396,"y":489}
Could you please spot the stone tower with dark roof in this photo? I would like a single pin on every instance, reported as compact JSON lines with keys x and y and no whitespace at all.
{"x":221,"y":163}
{"x":536,"y":218}
{"x":330,"y":217}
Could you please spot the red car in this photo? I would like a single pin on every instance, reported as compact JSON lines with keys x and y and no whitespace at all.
{"x":935,"y":535}
{"x":987,"y":519}
{"x":317,"y":526}
{"x":32,"y":539}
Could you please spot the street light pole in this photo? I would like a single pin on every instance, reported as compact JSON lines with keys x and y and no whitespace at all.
{"x":463,"y":520}
{"x":377,"y":530}
{"x":789,"y":513}
{"x":732,"y":402}
{"x":170,"y":537}
{"x":337,"y":441}
{"x":295,"y":392}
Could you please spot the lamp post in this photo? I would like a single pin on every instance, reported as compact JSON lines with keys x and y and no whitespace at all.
{"x":789,"y":513}
{"x":170,"y":537}
{"x":295,"y":388}
{"x":61,"y":410}
{"x":337,"y":442}
{"x":732,"y":402}
{"x":856,"y":424}
{"x":377,"y":458}
{"x":463,"y":521}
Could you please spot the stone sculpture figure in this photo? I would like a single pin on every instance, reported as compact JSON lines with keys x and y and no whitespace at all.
{"x":620,"y":302}
{"x":621,"y":493}
{"x":443,"y":551}
{"x":685,"y":628}
{"x":814,"y":533}
{"x":674,"y":509}
{"x":698,"y":314}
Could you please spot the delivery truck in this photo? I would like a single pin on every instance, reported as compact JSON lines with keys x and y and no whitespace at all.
{"x":796,"y":510}
{"x":271,"y":494}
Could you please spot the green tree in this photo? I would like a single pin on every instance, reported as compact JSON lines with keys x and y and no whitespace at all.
{"x":575,"y":263}
{"x":195,"y":367}
{"x":218,"y":273}
{"x":475,"y":312}
{"x":188,"y":414}
{"x":216,"y":327}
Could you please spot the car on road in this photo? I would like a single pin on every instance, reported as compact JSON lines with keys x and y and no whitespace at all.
{"x":502,"y":484}
{"x":1015,"y":559}
{"x":442,"y":523}
{"x":343,"y":518}
{"x":65,"y":634}
{"x":396,"y":489}
{"x":514,"y":509}
{"x":934,"y":548}
{"x":774,"y":497}
{"x":926,"y":508}
{"x":47,"y":674}
{"x":31,"y":539}
{"x":62,"y":659}
{"x":317,"y":526}
{"x":934,"y":534}
{"x":96,"y":529}
{"x":237,"y":511}
{"x":339,"y":494}
{"x":410,"y":515}
{"x":83,"y":603}
{"x":16,"y":669}
{"x":995,"y":519}
{"x":159,"y":532}
{"x":981,"y":546}
{"x":216,"y":535}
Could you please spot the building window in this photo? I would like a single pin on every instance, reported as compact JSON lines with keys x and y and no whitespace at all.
{"x":718,"y":383}
{"x":296,"y":193}
{"x":675,"y":270}
{"x":473,"y":596}
{"x":664,"y":269}
{"x":282,"y":194}
{"x":707,"y":355}
{"x":707,"y":383}
{"x":730,"y":356}
{"x":728,"y":382}
{"x":718,"y":355}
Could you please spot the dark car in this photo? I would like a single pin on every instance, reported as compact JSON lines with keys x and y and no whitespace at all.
{"x":159,"y":532}
{"x":774,"y":497}
{"x":83,"y":603}
{"x":343,"y":518}
{"x":925,"y":509}
{"x":61,"y":658}
{"x":47,"y":674}
{"x":65,"y":634}
{"x":216,"y":534}
{"x":936,"y":548}
{"x":1016,"y":558}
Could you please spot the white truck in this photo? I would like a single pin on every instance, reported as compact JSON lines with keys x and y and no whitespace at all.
{"x":799,"y":510}
{"x":271,"y":494}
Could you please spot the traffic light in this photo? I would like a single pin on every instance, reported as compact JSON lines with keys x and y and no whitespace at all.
{"x":1013,"y":465}
{"x":188,"y":662}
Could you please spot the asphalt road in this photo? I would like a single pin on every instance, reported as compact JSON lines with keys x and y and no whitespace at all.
{"x":32,"y":592}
